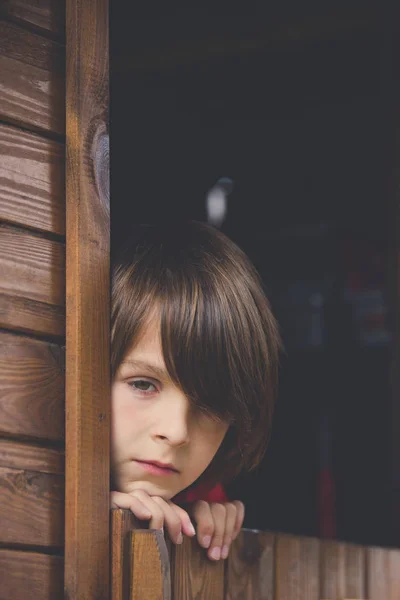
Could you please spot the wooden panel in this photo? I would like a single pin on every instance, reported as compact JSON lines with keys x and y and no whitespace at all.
{"x":47,"y":14}
{"x":31,"y":387}
{"x":31,"y":316}
{"x":297,"y":568}
{"x":122,"y":523}
{"x":88,"y":305}
{"x":251,"y":566}
{"x":32,"y":84}
{"x":342,"y":570}
{"x":31,"y":267}
{"x":30,"y":575}
{"x":194,"y":575}
{"x":383,"y":574}
{"x":150,"y":570}
{"x":32,"y":508}
{"x":32,"y":180}
{"x":20,"y":455}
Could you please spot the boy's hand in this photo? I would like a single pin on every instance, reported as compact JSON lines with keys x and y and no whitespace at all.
{"x":158,"y":511}
{"x":218,"y":524}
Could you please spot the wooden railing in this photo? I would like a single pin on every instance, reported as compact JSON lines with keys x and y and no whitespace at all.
{"x":261,"y":566}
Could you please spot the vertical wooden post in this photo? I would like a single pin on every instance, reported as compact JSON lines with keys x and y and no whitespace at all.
{"x":87,"y":303}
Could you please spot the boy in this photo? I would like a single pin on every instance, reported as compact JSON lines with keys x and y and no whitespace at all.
{"x":195,"y":360}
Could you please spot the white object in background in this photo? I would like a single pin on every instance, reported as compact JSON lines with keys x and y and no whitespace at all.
{"x":217,"y":201}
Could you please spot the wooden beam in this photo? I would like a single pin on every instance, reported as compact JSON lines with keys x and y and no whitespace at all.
{"x":88,"y":280}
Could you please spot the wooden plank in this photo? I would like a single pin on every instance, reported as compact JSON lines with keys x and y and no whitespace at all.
{"x":342,"y":570}
{"x":130,"y":555}
{"x":193,"y":574}
{"x":30,"y":574}
{"x":46,"y":14}
{"x":251,"y":566}
{"x":122,"y":523}
{"x":32,"y":180}
{"x":297,"y":568}
{"x":32,"y":508}
{"x":31,"y":387}
{"x":31,"y":267}
{"x":32,"y":85}
{"x":32,"y":49}
{"x":30,"y":316}
{"x":21,"y":455}
{"x":88,"y":306}
{"x":383,"y":574}
{"x":150,"y":570}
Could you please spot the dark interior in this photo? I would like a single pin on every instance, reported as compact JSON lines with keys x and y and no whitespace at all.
{"x":303,"y":124}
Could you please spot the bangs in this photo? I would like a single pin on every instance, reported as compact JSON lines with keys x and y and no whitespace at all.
{"x":197,"y":345}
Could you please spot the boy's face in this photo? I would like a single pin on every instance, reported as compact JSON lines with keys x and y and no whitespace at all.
{"x":152,"y":421}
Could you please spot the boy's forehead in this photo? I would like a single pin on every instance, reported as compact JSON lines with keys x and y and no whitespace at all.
{"x":148,"y":348}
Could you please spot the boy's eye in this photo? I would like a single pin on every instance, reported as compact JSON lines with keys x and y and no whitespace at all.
{"x":143,"y":386}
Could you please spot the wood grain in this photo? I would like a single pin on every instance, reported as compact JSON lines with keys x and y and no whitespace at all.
{"x":30,"y":575}
{"x":88,"y":303}
{"x":32,"y":180}
{"x":32,"y":84}
{"x":31,"y":387}
{"x":31,"y":267}
{"x":297,"y":568}
{"x":383,"y":574}
{"x":122,"y":523}
{"x":46,"y":14}
{"x":21,"y":455}
{"x":194,"y":575}
{"x":342,"y":570}
{"x":32,"y":508}
{"x":30,"y":316}
{"x":150,"y":570}
{"x":251,"y":567}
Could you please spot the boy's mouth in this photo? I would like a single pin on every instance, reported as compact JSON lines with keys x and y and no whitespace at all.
{"x":156,"y":467}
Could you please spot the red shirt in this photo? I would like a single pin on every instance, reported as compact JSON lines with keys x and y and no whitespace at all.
{"x":202,"y":491}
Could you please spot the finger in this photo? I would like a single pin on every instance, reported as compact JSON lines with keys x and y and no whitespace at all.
{"x":187,"y":525}
{"x":205,"y":523}
{"x":218,"y":512}
{"x":171,"y":520}
{"x":157,"y":514}
{"x":240,"y":510}
{"x":120,"y":500}
{"x":230,"y":522}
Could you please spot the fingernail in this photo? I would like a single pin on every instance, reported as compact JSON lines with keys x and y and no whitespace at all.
{"x":215,"y":553}
{"x":206,"y":541}
{"x":179,"y":539}
{"x":192,"y":530}
{"x":224,"y":551}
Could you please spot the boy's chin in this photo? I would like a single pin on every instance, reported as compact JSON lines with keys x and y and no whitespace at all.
{"x":152,"y":489}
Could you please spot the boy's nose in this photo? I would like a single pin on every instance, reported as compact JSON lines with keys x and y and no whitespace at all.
{"x":173,"y":423}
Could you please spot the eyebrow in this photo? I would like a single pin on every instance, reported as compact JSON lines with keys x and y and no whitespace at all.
{"x":141,"y":364}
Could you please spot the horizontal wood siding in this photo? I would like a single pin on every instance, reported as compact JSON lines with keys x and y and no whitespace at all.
{"x":32,"y":267}
{"x":32,"y":180}
{"x":32,"y":299}
{"x":31,"y":387}
{"x":30,"y":575}
{"x":32,"y":83}
{"x":46,"y":14}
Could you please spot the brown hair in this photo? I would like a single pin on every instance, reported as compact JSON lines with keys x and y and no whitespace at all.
{"x":219,"y":338}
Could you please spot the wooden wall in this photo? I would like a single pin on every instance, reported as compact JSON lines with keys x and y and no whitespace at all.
{"x":262,"y":565}
{"x":32,"y":298}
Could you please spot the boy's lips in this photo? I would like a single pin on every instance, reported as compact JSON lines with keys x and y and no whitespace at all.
{"x":157,"y":467}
